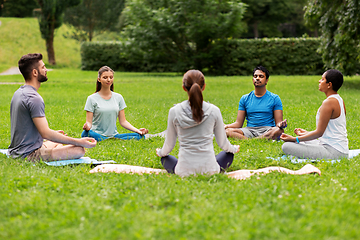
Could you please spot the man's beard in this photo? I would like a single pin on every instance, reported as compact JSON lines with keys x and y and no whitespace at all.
{"x":42,"y":78}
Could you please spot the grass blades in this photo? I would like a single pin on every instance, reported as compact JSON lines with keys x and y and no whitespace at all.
{"x":42,"y":202}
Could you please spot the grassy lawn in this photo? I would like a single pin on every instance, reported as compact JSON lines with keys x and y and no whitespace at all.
{"x":42,"y":202}
{"x":21,"y":36}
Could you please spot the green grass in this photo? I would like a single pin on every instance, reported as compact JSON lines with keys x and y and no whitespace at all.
{"x":20,"y":36}
{"x":42,"y":202}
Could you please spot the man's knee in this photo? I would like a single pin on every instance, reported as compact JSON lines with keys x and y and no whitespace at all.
{"x":80,"y":151}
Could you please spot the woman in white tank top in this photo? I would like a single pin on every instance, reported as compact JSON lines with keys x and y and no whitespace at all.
{"x":329,"y":139}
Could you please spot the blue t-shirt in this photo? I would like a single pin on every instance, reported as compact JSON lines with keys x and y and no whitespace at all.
{"x":260,"y":110}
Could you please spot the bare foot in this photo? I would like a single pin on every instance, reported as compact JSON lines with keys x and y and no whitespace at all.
{"x":308,"y":168}
{"x":240,"y":174}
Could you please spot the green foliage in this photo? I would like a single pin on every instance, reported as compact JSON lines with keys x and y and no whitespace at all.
{"x":94,"y":15}
{"x":294,"y":56}
{"x":264,"y":16}
{"x":51,"y":18}
{"x":42,"y":202}
{"x":340,"y":26}
{"x":97,"y":54}
{"x":20,"y":36}
{"x":17,"y":8}
{"x":287,"y":56}
{"x":178,"y":35}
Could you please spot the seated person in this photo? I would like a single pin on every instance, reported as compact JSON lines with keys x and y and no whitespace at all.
{"x":261,"y":108}
{"x":104,"y":107}
{"x":330,"y":125}
{"x":194,"y":123}
{"x":29,"y":126}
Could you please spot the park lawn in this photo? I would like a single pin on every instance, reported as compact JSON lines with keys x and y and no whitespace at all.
{"x":21,"y":36}
{"x":42,"y":202}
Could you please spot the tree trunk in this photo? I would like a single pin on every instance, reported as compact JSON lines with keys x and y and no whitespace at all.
{"x":256,"y":30}
{"x":50,"y":46}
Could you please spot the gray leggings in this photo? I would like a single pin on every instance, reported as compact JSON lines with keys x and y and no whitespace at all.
{"x":312,"y":151}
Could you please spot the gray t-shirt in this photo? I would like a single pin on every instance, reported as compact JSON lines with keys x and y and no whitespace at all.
{"x":105,"y":113}
{"x":26,"y":104}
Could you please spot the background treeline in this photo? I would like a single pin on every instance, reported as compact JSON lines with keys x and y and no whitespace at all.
{"x":198,"y":33}
{"x":286,"y":56}
{"x":263,"y":18}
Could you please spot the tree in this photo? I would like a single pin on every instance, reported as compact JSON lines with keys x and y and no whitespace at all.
{"x":180,"y":33}
{"x":17,"y":8}
{"x":274,"y":18}
{"x":264,"y":16}
{"x":51,"y":18}
{"x":339,"y":22}
{"x":95,"y":15}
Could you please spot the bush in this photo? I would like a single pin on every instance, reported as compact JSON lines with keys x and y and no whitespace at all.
{"x":290,"y":56}
{"x":281,"y":56}
{"x":94,"y":55}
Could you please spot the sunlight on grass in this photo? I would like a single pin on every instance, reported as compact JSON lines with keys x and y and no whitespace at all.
{"x":42,"y":202}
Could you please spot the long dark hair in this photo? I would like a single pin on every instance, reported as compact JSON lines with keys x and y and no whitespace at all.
{"x":194,"y":82}
{"x":101,"y":71}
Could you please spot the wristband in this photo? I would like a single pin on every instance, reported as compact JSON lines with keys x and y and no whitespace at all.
{"x":297,"y":140}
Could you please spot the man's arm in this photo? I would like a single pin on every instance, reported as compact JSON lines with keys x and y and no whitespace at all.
{"x":49,"y":134}
{"x":278,"y":117}
{"x":239,"y":120}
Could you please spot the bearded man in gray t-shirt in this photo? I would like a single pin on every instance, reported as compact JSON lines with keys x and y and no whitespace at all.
{"x":29,"y":126}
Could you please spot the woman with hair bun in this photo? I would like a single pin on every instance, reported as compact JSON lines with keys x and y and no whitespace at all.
{"x":194,"y":123}
{"x":329,"y":139}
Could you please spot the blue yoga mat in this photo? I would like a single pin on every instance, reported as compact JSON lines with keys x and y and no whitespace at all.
{"x":83,"y":160}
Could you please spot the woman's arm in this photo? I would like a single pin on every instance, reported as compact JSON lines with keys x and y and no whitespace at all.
{"x":326,"y":111}
{"x":220,"y":135}
{"x":88,"y":124}
{"x":170,"y":138}
{"x":125,"y":124}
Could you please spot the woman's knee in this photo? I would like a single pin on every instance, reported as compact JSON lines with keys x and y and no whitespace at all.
{"x":287,"y":147}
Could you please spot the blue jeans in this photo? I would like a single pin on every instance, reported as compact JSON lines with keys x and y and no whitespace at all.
{"x":123,"y":136}
{"x":224,"y":159}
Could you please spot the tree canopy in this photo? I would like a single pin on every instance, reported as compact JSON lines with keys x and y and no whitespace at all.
{"x":95,"y":15}
{"x":340,"y":32}
{"x":178,"y":32}
{"x":17,"y":8}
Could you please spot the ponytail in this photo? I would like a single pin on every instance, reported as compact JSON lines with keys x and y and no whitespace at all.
{"x":196,"y":100}
{"x":194,"y":81}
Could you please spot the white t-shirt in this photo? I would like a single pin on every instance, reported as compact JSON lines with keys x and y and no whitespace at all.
{"x":105,"y":113}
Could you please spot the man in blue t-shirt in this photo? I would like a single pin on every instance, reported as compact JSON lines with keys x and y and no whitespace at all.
{"x":262,"y":110}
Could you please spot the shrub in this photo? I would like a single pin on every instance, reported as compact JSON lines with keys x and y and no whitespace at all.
{"x":290,"y":56}
{"x":94,"y":55}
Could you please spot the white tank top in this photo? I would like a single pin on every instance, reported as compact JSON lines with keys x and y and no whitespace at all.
{"x":335,"y":133}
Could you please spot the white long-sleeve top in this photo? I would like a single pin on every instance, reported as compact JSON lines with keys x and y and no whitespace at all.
{"x":196,"y":153}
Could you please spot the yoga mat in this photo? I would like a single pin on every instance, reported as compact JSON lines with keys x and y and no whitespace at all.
{"x":352,"y":153}
{"x":83,"y":160}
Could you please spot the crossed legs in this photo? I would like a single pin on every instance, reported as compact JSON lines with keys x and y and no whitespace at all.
{"x":56,"y":151}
